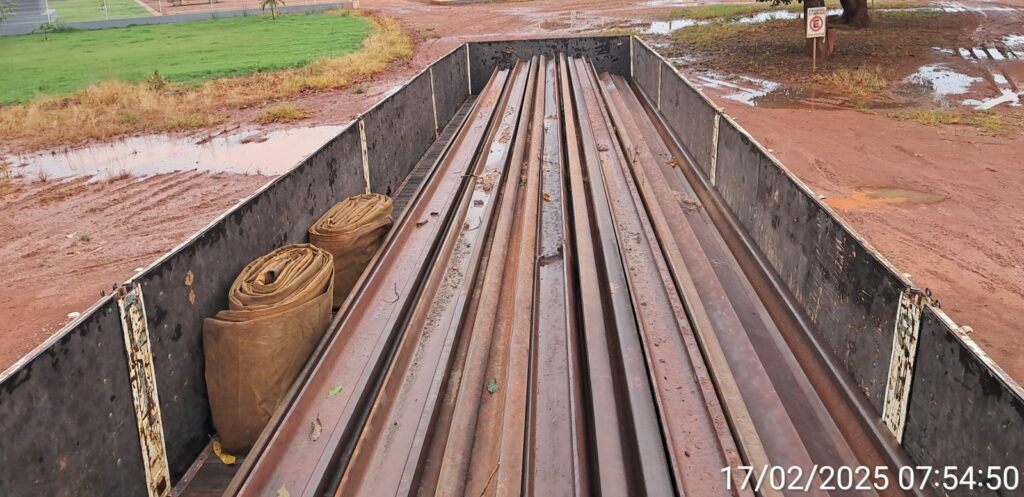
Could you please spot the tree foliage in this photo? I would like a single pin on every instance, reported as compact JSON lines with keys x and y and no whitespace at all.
{"x":4,"y":12}
{"x":46,"y":28}
{"x":272,"y":4}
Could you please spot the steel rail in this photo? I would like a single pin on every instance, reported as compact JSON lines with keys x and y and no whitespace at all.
{"x":395,"y":433}
{"x":715,"y":319}
{"x":556,"y":457}
{"x":818,"y":431}
{"x":870,"y":440}
{"x":484,"y":459}
{"x":453,"y":445}
{"x":725,"y":382}
{"x":609,"y":463}
{"x":293,"y":459}
{"x":756,"y":338}
{"x":558,"y":313}
{"x":512,"y":449}
{"x":690,"y":413}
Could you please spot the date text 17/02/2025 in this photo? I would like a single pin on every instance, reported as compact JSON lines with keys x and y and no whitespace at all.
{"x":949,"y":478}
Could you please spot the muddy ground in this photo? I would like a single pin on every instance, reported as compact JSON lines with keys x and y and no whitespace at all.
{"x":941,"y":202}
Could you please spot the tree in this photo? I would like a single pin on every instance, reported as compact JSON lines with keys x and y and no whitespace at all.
{"x":46,"y":28}
{"x":272,"y":4}
{"x":855,"y":12}
{"x":4,"y":12}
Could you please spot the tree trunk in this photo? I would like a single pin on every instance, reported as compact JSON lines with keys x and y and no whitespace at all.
{"x":855,"y":13}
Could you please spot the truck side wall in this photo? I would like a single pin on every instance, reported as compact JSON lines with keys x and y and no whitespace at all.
{"x":608,"y":54}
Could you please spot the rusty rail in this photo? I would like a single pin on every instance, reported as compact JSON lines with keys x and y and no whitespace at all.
{"x":559,"y":312}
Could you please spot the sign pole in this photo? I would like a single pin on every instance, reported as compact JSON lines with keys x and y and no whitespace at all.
{"x":816,"y":19}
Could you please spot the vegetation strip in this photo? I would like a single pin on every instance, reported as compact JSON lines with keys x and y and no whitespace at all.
{"x":185,"y":52}
{"x":158,"y":104}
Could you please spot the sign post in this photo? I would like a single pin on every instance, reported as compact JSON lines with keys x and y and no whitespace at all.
{"x":816,"y":17}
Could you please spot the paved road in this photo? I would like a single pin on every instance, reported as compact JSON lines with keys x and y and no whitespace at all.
{"x":25,"y":12}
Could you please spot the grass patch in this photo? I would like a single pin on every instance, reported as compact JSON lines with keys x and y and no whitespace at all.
{"x":989,"y":122}
{"x":858,"y":83}
{"x":619,"y":32}
{"x":726,"y":11}
{"x":92,"y":10}
{"x":184,"y":53}
{"x":113,"y":108}
{"x":281,"y":113}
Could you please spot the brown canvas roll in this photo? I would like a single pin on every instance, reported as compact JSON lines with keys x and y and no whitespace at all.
{"x":279,"y":307}
{"x":352,"y":231}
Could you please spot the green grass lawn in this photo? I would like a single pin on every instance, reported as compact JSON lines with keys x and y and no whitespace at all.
{"x":92,"y":10}
{"x":186,"y":52}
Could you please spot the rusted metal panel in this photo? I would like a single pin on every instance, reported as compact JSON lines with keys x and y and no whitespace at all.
{"x":848,"y":292}
{"x":689,"y":113}
{"x":964,"y":410}
{"x":647,"y":67}
{"x":67,"y":422}
{"x":142,"y":377}
{"x":901,"y":364}
{"x":398,"y":132}
{"x":450,"y":89}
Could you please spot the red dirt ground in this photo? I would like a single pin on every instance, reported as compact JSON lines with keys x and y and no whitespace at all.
{"x":964,"y":241}
{"x":63,"y":243}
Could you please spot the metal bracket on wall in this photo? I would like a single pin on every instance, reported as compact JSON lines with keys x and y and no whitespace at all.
{"x":362,"y":150}
{"x":714,"y":149}
{"x":901,"y":364}
{"x":143,"y":381}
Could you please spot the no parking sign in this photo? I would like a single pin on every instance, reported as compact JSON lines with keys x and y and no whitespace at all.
{"x":816,"y":22}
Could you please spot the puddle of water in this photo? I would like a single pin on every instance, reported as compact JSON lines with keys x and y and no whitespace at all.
{"x":241,"y":152}
{"x":743,"y":89}
{"x":959,"y":7}
{"x":667,"y":27}
{"x":768,"y":15}
{"x":1006,"y":96}
{"x":942,"y":80}
{"x":873,"y":197}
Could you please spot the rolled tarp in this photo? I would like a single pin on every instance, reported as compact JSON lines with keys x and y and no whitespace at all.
{"x":278,"y":309}
{"x":352,"y":231}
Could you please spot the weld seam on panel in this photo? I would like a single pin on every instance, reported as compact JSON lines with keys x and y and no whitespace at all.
{"x":714,"y":149}
{"x":433,"y":102}
{"x":901,"y":363}
{"x":145,"y":398}
{"x":366,"y":157}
